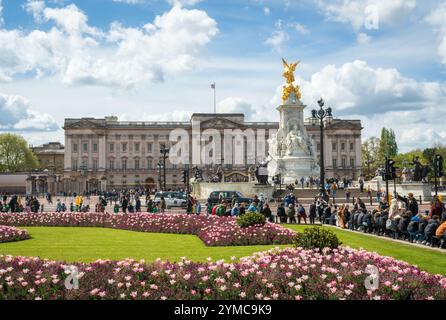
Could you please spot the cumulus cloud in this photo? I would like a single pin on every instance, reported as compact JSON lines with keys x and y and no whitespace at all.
{"x":119,"y":57}
{"x":36,"y":8}
{"x":359,"y":88}
{"x":177,"y":115}
{"x":278,"y":37}
{"x":183,"y":2}
{"x":356,"y":12}
{"x":437,"y":19}
{"x":236,"y":105}
{"x":17,"y":116}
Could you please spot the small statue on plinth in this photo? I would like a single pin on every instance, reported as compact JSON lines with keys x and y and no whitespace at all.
{"x":261,"y":173}
{"x":420,"y":172}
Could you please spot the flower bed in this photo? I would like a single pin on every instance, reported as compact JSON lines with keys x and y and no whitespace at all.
{"x":275,"y":274}
{"x":8,"y":234}
{"x":212,"y":230}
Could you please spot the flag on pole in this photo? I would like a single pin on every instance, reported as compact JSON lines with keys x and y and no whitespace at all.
{"x":213,"y":86}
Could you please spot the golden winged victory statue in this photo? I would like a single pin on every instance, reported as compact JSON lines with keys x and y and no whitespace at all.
{"x":288,"y":74}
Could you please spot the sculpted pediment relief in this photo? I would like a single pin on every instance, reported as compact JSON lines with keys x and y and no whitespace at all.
{"x":220,"y":123}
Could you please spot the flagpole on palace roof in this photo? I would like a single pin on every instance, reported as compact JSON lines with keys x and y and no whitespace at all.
{"x":215,"y":98}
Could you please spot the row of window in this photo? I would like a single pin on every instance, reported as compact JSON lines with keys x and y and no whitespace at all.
{"x":111,"y":147}
{"x":112,"y":164}
{"x":344,"y":163}
{"x":334,"y":146}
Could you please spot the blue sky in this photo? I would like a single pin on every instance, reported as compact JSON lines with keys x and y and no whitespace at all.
{"x":156,"y":59}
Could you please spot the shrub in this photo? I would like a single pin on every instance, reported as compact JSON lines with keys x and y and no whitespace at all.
{"x":313,"y":238}
{"x":250,"y":219}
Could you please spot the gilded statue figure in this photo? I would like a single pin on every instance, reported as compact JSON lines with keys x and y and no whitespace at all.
{"x":288,"y":74}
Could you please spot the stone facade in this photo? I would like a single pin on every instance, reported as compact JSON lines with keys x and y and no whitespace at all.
{"x":50,"y":156}
{"x":107,"y":154}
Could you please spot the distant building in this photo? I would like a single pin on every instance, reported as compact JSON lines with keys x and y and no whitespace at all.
{"x":50,"y":156}
{"x":106,"y":154}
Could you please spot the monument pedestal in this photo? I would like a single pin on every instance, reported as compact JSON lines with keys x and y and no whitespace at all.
{"x":292,"y":152}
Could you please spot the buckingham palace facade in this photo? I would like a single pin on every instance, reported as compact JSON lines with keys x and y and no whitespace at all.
{"x":107,"y":154}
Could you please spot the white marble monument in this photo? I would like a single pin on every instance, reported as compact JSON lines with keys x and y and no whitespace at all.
{"x":292,"y":151}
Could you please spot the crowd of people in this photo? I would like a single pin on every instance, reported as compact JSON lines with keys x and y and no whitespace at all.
{"x":399,"y":219}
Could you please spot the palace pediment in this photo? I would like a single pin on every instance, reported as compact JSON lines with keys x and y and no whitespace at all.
{"x":83,"y":124}
{"x":220,"y":123}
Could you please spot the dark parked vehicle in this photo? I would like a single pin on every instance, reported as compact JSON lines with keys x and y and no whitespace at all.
{"x":227,"y":196}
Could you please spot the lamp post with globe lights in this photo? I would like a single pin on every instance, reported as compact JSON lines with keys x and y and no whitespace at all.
{"x":322,"y":117}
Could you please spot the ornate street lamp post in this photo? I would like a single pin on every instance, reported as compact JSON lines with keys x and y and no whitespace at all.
{"x":160,"y":167}
{"x":318,"y":117}
{"x":165,"y":153}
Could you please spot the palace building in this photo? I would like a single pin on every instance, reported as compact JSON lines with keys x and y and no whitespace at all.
{"x":107,"y":154}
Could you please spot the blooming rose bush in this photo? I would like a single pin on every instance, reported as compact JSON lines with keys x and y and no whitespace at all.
{"x":8,"y":234}
{"x":212,"y":230}
{"x":276,"y":274}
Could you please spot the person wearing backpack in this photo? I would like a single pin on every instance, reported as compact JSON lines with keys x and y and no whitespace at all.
{"x":301,"y":214}
{"x":291,"y":214}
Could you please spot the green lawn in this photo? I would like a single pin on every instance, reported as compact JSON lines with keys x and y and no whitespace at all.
{"x":89,"y":244}
{"x":429,"y":260}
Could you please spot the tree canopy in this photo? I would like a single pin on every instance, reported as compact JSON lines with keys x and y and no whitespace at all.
{"x":15,"y":156}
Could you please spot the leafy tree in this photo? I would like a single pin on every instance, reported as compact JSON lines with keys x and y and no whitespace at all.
{"x":370,"y":153}
{"x":388,"y":146}
{"x":15,"y":155}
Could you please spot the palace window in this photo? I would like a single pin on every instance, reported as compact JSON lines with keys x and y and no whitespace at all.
{"x":136,"y":147}
{"x":95,"y":165}
{"x":112,"y":147}
{"x":111,"y":164}
{"x":149,"y":147}
{"x":352,"y":146}
{"x":74,"y":165}
{"x":124,"y":147}
{"x":344,"y":163}
{"x":335,"y":163}
{"x":85,"y":147}
{"x":75,"y":147}
{"x":136,"y":164}
{"x":124,"y":164}
{"x":334,"y":146}
{"x":343,"y":146}
{"x":149,"y":164}
{"x":352,"y":162}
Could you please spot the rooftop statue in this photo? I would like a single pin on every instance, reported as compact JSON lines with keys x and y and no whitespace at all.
{"x":288,"y":74}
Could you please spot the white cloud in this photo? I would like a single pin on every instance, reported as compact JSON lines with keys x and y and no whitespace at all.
{"x":356,"y":12}
{"x":363,"y":38}
{"x":278,"y":37}
{"x":17,"y":116}
{"x":300,"y":28}
{"x":438,"y":19}
{"x":176,"y":115}
{"x":183,"y":2}
{"x":356,"y":87}
{"x":119,"y":57}
{"x":236,"y":105}
{"x":266,"y":11}
{"x":36,"y":8}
